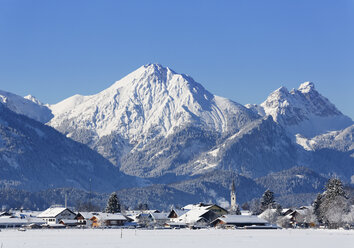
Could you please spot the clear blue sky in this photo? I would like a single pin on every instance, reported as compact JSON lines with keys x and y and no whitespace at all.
{"x":241,"y":50}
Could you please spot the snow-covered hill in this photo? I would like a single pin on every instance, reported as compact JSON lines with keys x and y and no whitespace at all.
{"x":28,"y":106}
{"x":303,"y":111}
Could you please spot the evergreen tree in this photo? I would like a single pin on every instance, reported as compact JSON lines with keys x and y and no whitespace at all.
{"x":317,"y":208}
{"x":334,"y":188}
{"x":143,"y":206}
{"x":332,"y":204}
{"x":113,"y":205}
{"x":267,"y":200}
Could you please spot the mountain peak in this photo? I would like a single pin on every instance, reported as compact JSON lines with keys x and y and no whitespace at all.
{"x":304,"y":111}
{"x":306,"y":87}
{"x":281,"y":92}
{"x":152,"y":99}
{"x":33,"y":99}
{"x":28,"y":106}
{"x":282,"y":89}
{"x":155,"y":66}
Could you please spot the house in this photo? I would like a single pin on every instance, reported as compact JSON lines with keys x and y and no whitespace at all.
{"x":159,"y":219}
{"x":108,"y":220}
{"x":13,"y":221}
{"x":144,"y":219}
{"x":197,"y":214}
{"x":84,"y":218}
{"x":300,"y":216}
{"x":196,"y":217}
{"x":239,"y":221}
{"x":54,"y":214}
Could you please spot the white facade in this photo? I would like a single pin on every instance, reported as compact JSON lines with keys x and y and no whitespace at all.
{"x":54,"y":215}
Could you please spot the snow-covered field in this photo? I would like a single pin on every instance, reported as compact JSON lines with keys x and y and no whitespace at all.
{"x":176,"y":238}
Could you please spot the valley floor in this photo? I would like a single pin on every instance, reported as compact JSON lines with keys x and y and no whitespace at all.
{"x":109,"y":238}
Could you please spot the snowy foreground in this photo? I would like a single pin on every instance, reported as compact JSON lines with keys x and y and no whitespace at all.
{"x":176,"y":238}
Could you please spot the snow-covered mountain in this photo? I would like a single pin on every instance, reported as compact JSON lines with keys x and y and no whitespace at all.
{"x":28,"y":106}
{"x":152,"y":99}
{"x":303,"y":111}
{"x":138,"y":111}
{"x":158,"y":124}
{"x":34,"y":156}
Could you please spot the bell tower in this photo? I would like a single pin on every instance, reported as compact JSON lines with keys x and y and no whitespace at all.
{"x":233,"y":196}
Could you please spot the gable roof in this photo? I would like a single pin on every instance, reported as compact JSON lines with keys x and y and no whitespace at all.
{"x":86,"y":215}
{"x":179,"y":212}
{"x":193,"y":215}
{"x":108,"y":216}
{"x":159,"y":216}
{"x":202,"y":206}
{"x":53,"y":212}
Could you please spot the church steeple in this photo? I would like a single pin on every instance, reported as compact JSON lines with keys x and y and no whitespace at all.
{"x":233,"y":196}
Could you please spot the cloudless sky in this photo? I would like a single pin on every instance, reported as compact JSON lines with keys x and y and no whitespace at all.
{"x":240,"y":49}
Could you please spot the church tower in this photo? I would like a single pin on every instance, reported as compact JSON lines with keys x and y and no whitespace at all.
{"x":233,"y":196}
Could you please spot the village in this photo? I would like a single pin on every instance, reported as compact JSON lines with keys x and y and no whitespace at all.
{"x":192,"y":216}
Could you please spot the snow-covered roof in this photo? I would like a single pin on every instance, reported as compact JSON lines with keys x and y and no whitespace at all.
{"x":52,"y":212}
{"x":19,"y":221}
{"x":267,"y":212}
{"x":180,"y":212}
{"x":192,"y":216}
{"x":284,"y":210}
{"x":234,"y":219}
{"x":246,"y":212}
{"x":4,"y":221}
{"x":159,"y":216}
{"x":137,"y":212}
{"x":197,"y":206}
{"x":87,"y":215}
{"x":27,"y":213}
{"x":108,"y":216}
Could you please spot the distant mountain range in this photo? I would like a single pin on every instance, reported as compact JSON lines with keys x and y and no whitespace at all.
{"x":156,"y":126}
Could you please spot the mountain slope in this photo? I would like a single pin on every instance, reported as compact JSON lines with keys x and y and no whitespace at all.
{"x":293,"y":181}
{"x":28,"y":106}
{"x":34,"y":156}
{"x":304,"y":111}
{"x":331,"y":154}
{"x":257,"y":149}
